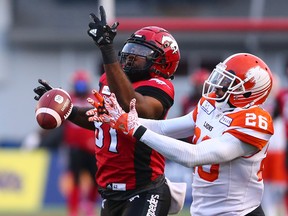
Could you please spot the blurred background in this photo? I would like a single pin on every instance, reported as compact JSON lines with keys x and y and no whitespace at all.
{"x":48,"y":39}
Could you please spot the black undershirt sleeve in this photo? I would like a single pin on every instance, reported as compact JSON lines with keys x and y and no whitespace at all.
{"x":159,"y":94}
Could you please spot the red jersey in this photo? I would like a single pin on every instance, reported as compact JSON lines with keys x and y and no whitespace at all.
{"x":77,"y":136}
{"x":282,"y":100}
{"x":122,"y":162}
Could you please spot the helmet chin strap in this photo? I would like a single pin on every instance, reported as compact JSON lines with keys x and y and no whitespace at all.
{"x":159,"y":73}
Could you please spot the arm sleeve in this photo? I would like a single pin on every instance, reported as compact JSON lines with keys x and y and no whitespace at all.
{"x":177,"y":128}
{"x":212,"y":151}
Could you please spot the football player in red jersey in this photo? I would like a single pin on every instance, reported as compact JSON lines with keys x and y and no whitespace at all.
{"x":230,"y":132}
{"x":83,"y":194}
{"x":130,"y":175}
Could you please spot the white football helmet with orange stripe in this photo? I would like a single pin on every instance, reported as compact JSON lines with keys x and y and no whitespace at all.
{"x":242,"y":80}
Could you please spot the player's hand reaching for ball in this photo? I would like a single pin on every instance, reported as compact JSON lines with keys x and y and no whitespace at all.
{"x":99,"y":110}
{"x":117,"y":117}
{"x":100,"y":31}
{"x":42,"y":89}
{"x":120,"y":120}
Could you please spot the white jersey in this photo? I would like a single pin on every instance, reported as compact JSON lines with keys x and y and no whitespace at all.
{"x":234,"y":187}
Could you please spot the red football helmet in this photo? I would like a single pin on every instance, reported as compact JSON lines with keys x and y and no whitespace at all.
{"x":244,"y":80}
{"x":157,"y":46}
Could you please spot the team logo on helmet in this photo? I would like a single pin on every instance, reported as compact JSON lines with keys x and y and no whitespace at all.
{"x":170,"y":42}
{"x":254,"y":74}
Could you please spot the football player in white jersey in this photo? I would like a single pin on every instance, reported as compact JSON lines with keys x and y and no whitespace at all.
{"x":230,"y":135}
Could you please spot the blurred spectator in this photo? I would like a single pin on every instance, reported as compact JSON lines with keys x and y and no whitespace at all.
{"x":275,"y":172}
{"x":196,"y":80}
{"x":282,"y":108}
{"x":78,"y":182}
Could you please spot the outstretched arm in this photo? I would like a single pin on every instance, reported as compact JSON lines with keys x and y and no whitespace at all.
{"x":78,"y":114}
{"x":181,"y":127}
{"x":215,"y":150}
{"x":103,"y":35}
{"x":212,"y":151}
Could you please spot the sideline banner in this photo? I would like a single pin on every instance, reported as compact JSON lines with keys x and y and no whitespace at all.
{"x":22,"y":179}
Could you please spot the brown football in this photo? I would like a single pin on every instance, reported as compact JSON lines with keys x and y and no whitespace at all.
{"x":53,"y":108}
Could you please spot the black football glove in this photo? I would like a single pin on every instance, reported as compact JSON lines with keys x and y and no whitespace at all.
{"x":101,"y":33}
{"x":42,"y":89}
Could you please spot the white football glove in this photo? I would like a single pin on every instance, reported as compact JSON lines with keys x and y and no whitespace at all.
{"x":118,"y":118}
